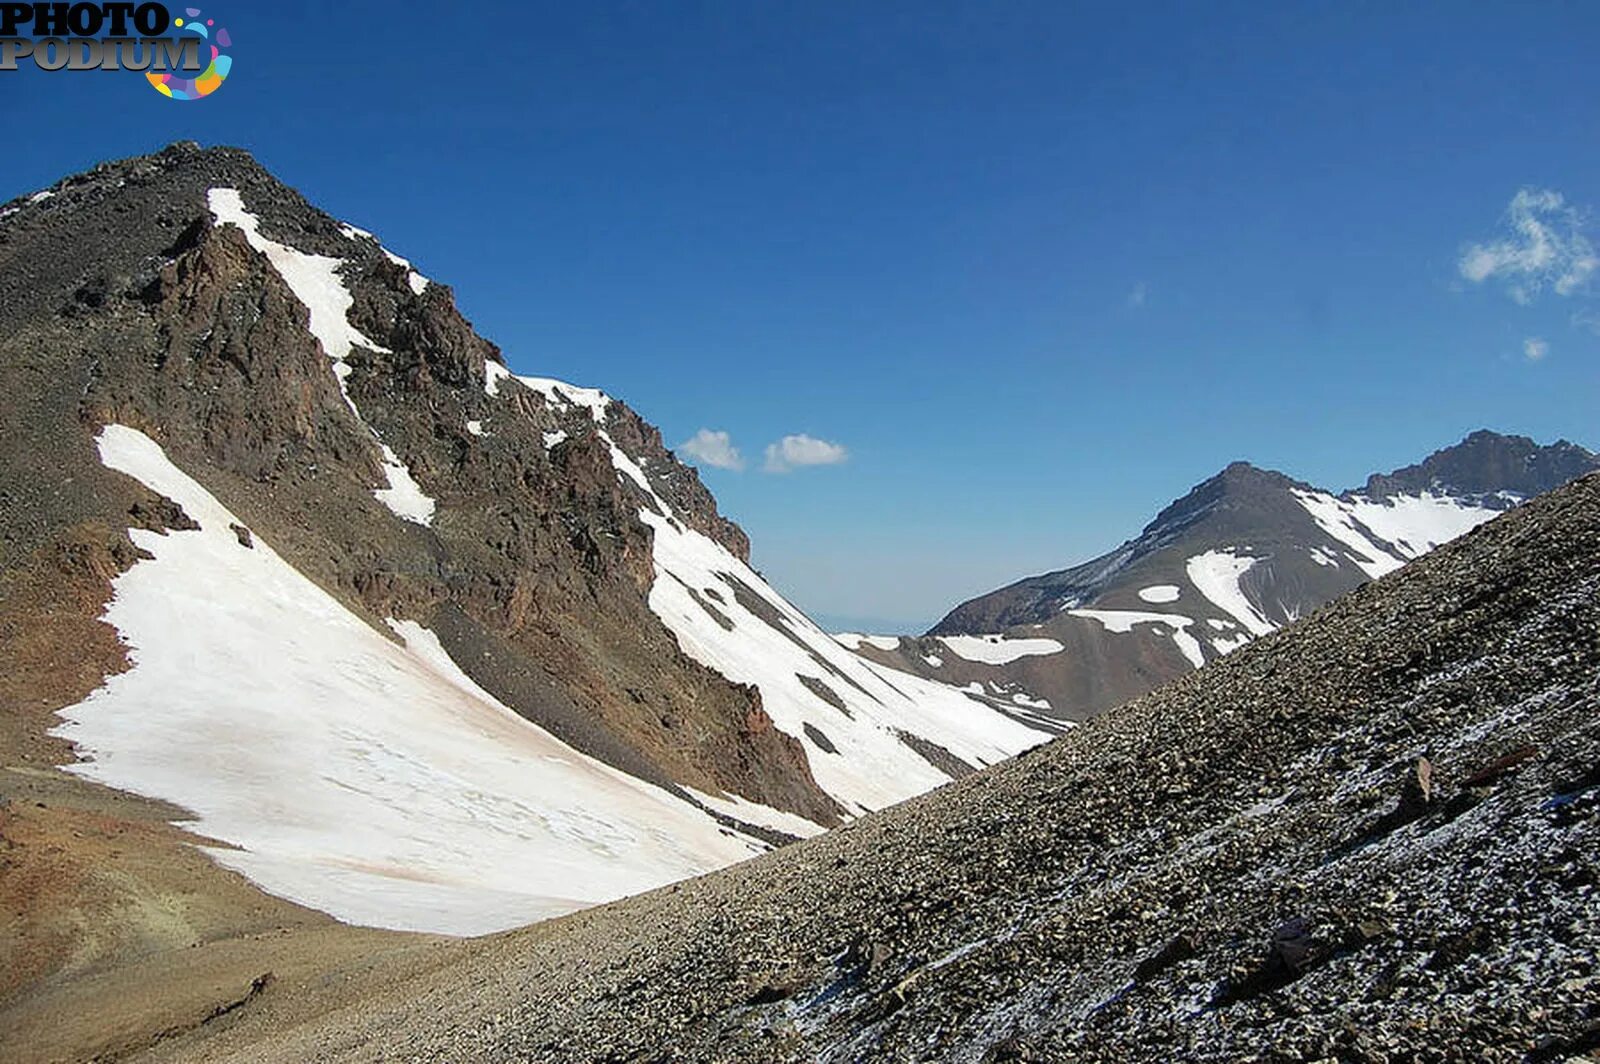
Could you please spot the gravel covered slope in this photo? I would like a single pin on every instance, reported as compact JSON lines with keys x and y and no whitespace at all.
{"x":1371,"y":836}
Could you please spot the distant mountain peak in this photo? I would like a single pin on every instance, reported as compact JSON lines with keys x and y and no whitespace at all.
{"x":1242,"y":553}
{"x":1239,"y":485}
{"x":1487,"y":463}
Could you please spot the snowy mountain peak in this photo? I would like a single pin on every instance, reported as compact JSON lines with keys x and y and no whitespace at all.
{"x":1240,"y":555}
{"x":487,"y":616}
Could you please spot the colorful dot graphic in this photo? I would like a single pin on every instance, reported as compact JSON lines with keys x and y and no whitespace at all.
{"x":174,"y":87}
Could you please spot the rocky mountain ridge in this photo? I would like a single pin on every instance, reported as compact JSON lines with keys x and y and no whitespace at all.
{"x":1240,"y":555}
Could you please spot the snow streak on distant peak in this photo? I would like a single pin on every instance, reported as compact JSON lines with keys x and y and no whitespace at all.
{"x":998,"y":649}
{"x":1381,"y":535}
{"x":1123,"y":622}
{"x":1216,"y":574}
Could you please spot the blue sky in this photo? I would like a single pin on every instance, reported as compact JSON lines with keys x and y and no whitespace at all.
{"x":1038,"y":268}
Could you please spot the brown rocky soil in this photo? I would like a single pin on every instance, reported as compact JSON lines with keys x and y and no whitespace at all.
{"x":115,"y":930}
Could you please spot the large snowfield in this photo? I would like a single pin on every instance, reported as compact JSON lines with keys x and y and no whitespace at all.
{"x":1381,"y":535}
{"x":357,"y":774}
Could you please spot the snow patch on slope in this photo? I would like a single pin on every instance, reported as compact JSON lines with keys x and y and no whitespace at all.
{"x":1216,"y":575}
{"x":493,"y":374}
{"x":1336,"y":519}
{"x":564,"y":394}
{"x":1415,"y":524}
{"x":1160,"y":594}
{"x":415,"y":280}
{"x":853,"y":640}
{"x":1122,"y":621}
{"x":358,"y":775}
{"x":760,"y":815}
{"x":998,"y":649}
{"x":1322,"y":557}
{"x":870,"y":766}
{"x":315,"y":282}
{"x":404,"y":496}
{"x":1384,"y":534}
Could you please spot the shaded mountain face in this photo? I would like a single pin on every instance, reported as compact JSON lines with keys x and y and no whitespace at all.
{"x":361,"y":574}
{"x":1487,"y":464}
{"x":1372,"y":836}
{"x":1239,"y":556}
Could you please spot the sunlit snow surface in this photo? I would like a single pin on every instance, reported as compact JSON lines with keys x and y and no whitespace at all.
{"x":998,"y":649}
{"x":366,"y":778}
{"x":1383,"y":534}
{"x":1216,"y":574}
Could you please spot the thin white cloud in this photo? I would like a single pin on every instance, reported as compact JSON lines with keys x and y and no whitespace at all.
{"x":713,"y":448}
{"x":1535,"y":349}
{"x":1545,"y":246}
{"x":1137,"y":297}
{"x":792,"y":452}
{"x":1586,"y":319}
